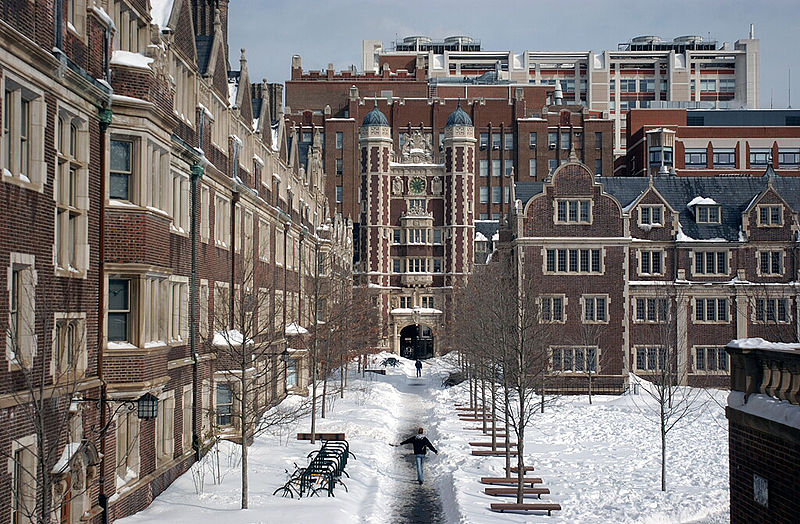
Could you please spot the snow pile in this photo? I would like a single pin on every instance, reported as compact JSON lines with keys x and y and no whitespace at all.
{"x":230,"y":338}
{"x":126,"y":58}
{"x":161,"y":10}
{"x":760,"y":343}
{"x":764,"y":406}
{"x":701,"y":201}
{"x":296,"y":329}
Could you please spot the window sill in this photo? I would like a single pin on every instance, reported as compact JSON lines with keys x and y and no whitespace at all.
{"x":70,"y":273}
{"x":178,"y":231}
{"x":711,"y":322}
{"x":21,"y":181}
{"x":772,"y":226}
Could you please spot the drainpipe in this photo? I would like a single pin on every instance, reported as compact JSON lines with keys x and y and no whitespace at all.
{"x":59,"y":29}
{"x":234,"y":201}
{"x":197,"y":174}
{"x":105,"y":121}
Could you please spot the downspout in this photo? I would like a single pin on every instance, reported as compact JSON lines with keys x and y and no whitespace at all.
{"x":197,"y":174}
{"x":234,"y":201}
{"x":105,"y":121}
{"x":59,"y":29}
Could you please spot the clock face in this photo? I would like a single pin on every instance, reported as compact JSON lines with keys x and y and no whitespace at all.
{"x":417,"y":185}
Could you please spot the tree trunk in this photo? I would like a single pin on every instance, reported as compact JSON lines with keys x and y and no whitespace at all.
{"x":483,"y":403}
{"x":663,"y":452}
{"x":324,"y":394}
{"x":590,"y":388}
{"x":521,"y":446}
{"x":243,"y":416}
{"x":506,"y":403}
{"x":313,"y":402}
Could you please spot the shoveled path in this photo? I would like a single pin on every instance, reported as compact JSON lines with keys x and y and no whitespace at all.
{"x":415,"y":503}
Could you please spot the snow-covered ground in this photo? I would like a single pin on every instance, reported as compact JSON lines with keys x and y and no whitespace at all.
{"x":600,"y":462}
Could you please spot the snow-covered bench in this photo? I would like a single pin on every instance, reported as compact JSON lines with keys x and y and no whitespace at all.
{"x":321,"y":436}
{"x":508,"y":492}
{"x":508,"y":481}
{"x":501,"y":507}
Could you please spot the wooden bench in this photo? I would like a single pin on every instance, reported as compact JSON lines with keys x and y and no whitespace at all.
{"x":515,"y":469}
{"x":470,"y":409}
{"x":512,"y":492}
{"x":321,"y":436}
{"x":510,"y":481}
{"x":489,"y":444}
{"x":376,"y":371}
{"x":491,"y":453}
{"x":525,"y":507}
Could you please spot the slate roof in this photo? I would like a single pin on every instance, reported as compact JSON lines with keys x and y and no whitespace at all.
{"x":375,"y":118}
{"x":204,"y":44}
{"x":487,"y":227}
{"x":459,"y":117}
{"x":734,"y":194}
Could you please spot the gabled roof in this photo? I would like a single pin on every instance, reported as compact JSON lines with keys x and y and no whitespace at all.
{"x":733,"y":194}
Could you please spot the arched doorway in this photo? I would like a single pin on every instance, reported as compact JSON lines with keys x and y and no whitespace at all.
{"x":416,"y":341}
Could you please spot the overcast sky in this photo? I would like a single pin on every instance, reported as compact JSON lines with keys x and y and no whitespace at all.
{"x":331,"y":31}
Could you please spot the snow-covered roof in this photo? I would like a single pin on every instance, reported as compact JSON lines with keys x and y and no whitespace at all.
{"x":701,"y":201}
{"x":296,"y":329}
{"x":760,"y":343}
{"x":126,"y":58}
{"x":230,"y":338}
{"x":161,"y":10}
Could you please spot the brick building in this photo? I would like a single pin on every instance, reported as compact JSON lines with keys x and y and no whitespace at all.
{"x":735,"y":142}
{"x":136,"y":206}
{"x":665,"y":266}
{"x":764,"y":434}
{"x":646,"y":71}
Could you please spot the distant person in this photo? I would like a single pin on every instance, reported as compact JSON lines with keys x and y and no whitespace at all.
{"x":418,"y":365}
{"x":421,"y":443}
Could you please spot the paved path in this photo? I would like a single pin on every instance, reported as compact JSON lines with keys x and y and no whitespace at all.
{"x":414,"y":503}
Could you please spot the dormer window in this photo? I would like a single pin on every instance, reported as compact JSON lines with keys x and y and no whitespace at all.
{"x":770,"y":216}
{"x":651,"y":215}
{"x":707,"y":214}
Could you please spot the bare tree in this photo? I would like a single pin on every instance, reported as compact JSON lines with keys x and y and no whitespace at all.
{"x":250,"y":346}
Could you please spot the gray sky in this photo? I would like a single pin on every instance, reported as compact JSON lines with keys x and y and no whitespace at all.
{"x":331,"y":31}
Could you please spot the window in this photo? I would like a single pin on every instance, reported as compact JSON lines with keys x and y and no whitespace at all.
{"x":222,"y":221}
{"x":165,"y":427}
{"x":552,"y":165}
{"x":179,"y":295}
{"x":573,"y":211}
{"x":772,"y":310}
{"x":203,"y":300}
{"x":71,"y":194}
{"x":647,"y":85}
{"x":187,"y":406}
{"x":711,"y":262}
{"x":119,"y":185}
{"x":651,"y":262}
{"x":484,"y":167}
{"x":70,"y":346}
{"x":707,"y":214}
{"x":484,"y":194}
{"x":552,"y":309}
{"x":205,"y":204}
{"x":663,"y":86}
{"x":397,"y":266}
{"x":710,"y":360}
{"x":495,"y":140}
{"x":627,"y":85}
{"x":437,"y":265}
{"x":508,"y":139}
{"x":119,"y":310}
{"x":24,"y":117}
{"x":339,"y":166}
{"x":552,"y":139}
{"x":532,"y":167}
{"x":417,"y":265}
{"x":180,"y":202}
{"x":711,"y":310}
{"x":727,"y":85}
{"x":652,"y":310}
{"x":23,"y":483}
{"x":770,"y":216}
{"x":566,"y":140}
{"x":339,"y":194}
{"x":770,"y":263}
{"x":127,"y":446}
{"x":427,"y":302}
{"x":496,"y":167}
{"x":263,"y":240}
{"x":533,"y":138}
{"x":496,"y":194}
{"x":291,"y":373}
{"x":708,"y":85}
{"x":224,"y":404}
{"x":484,"y":140}
{"x":509,"y":167}
{"x":416,"y":236}
{"x":595,"y":309}
{"x":760,"y":157}
{"x":563,"y":260}
{"x":696,"y":158}
{"x":339,"y":140}
{"x":598,"y":166}
{"x":651,"y":215}
{"x":651,"y":358}
{"x":789,"y":158}
{"x":437,"y":236}
{"x":580,"y":359}
{"x":406,"y":302}
{"x":21,"y":335}
{"x":598,"y":140}
{"x":660,"y":155}
{"x":724,"y":158}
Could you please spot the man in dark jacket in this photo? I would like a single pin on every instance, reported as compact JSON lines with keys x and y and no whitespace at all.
{"x":421,"y":443}
{"x":418,"y":365}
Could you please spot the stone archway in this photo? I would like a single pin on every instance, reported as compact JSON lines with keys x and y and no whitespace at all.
{"x":416,"y":341}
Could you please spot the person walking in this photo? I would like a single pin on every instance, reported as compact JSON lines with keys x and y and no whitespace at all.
{"x":421,"y":445}
{"x":418,"y":365}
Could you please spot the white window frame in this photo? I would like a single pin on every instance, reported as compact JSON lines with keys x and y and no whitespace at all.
{"x":771,"y":262}
{"x":589,"y":308}
{"x":21,"y":279}
{"x":661,"y":356}
{"x":645,"y":258}
{"x":566,"y":254}
{"x":546,"y":309}
{"x":187,"y":408}
{"x":14,"y":145}
{"x":649,"y":221}
{"x":222,"y":230}
{"x":702,"y":317}
{"x":769,"y":209}
{"x":128,"y":438}
{"x":776,"y":301}
{"x":263,"y":240}
{"x":205,"y":204}
{"x":576,"y":352}
{"x":27,"y":466}
{"x":703,"y":349}
{"x":568,"y":203}
{"x":165,"y":428}
{"x":705,"y":209}
{"x":69,"y":331}
{"x":715,"y":252}
{"x":653,"y":312}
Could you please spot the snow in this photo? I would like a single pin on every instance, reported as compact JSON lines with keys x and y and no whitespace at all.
{"x":601,"y":462}
{"x":760,"y":343}
{"x":296,"y":329}
{"x":126,"y":58}
{"x":480,"y":237}
{"x":258,"y":160}
{"x":161,"y":10}
{"x":206,"y":111}
{"x":496,"y":237}
{"x":233,"y":90}
{"x":120,"y":345}
{"x":102,"y":15}
{"x":683,"y":237}
{"x":63,"y":462}
{"x":128,"y":99}
{"x":230,"y":338}
{"x":764,"y":406}
{"x":702,"y":201}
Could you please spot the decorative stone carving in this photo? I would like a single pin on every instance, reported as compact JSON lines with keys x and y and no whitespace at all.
{"x":436,"y":185}
{"x":417,"y":148}
{"x":397,"y":186}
